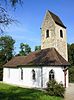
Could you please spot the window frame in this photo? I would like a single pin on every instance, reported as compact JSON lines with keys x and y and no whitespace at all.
{"x":47,"y":33}
{"x":21,"y":74}
{"x":61,"y":33}
{"x":51,"y":75}
{"x":33,"y":75}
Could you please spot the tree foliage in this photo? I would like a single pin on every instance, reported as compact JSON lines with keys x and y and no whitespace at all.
{"x":6,"y":49}
{"x":25,"y":49}
{"x":71,"y":74}
{"x":37,"y":48}
{"x":55,"y":89}
{"x":71,"y":60}
{"x":5,"y":19}
{"x":13,"y":2}
{"x":71,"y":53}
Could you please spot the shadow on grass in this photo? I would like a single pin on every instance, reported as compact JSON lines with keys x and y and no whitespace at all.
{"x":8,"y":92}
{"x":15,"y":93}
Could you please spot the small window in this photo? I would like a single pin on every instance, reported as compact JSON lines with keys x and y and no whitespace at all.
{"x":51,"y":75}
{"x":21,"y":74}
{"x":47,"y":33}
{"x":61,"y":33}
{"x":33,"y":75}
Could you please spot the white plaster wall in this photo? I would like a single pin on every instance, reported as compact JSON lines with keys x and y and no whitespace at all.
{"x":59,"y":75}
{"x":27,"y":79}
{"x":11,"y":75}
{"x":15,"y":76}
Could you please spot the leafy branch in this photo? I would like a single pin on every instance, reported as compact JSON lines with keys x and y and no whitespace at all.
{"x":5,"y":19}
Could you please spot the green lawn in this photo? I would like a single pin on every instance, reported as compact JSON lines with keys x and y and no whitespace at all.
{"x":8,"y":92}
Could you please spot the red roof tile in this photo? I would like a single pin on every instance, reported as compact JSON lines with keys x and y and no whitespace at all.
{"x":45,"y":57}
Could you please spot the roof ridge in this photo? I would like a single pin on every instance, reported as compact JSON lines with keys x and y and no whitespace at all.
{"x":56,"y":19}
{"x":53,"y":13}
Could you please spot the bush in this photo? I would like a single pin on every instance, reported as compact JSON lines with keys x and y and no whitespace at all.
{"x":71,"y":74}
{"x":1,"y":74}
{"x":55,"y":89}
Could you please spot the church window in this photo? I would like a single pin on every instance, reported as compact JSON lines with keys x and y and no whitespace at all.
{"x":51,"y":75}
{"x":21,"y":74}
{"x":33,"y":74}
{"x":61,"y":33}
{"x":47,"y":33}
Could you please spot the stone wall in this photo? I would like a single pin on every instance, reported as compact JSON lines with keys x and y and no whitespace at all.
{"x":61,"y":43}
{"x":54,"y":40}
{"x":49,"y":24}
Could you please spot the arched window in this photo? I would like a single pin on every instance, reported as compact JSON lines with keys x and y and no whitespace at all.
{"x":47,"y":33}
{"x":21,"y":74}
{"x":33,"y":74}
{"x":61,"y":33}
{"x":51,"y":75}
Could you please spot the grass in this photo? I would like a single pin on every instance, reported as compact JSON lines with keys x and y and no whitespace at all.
{"x":8,"y":92}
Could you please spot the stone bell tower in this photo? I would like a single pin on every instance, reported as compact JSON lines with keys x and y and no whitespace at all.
{"x":53,"y":34}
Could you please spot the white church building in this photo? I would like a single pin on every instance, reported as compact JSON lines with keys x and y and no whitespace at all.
{"x":39,"y":67}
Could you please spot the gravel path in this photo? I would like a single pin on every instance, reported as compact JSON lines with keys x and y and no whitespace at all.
{"x":69,"y":94}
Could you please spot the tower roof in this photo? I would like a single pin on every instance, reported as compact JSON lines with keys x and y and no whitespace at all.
{"x":57,"y":19}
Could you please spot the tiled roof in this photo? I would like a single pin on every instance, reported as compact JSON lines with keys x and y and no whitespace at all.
{"x":45,"y":57}
{"x":56,"y":19}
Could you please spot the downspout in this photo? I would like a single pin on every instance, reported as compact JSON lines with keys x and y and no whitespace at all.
{"x":65,"y":73}
{"x":41,"y":77}
{"x":65,"y":78}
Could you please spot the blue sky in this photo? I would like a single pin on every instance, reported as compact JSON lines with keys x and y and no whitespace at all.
{"x":30,"y":17}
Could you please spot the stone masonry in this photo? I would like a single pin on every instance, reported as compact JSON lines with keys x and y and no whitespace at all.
{"x":54,"y":40}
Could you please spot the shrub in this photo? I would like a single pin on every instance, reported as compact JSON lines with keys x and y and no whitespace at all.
{"x":1,"y":74}
{"x":55,"y":89}
{"x":71,"y":74}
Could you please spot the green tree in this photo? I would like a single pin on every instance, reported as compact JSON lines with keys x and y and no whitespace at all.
{"x":12,"y":2}
{"x":71,"y":60}
{"x":71,"y":74}
{"x":55,"y":89}
{"x":6,"y":51}
{"x":37,"y":48}
{"x":25,"y":49}
{"x":6,"y":48}
{"x":5,"y":19}
{"x":71,"y":53}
